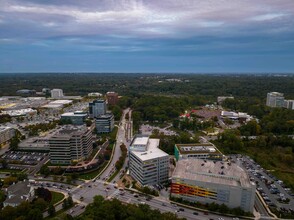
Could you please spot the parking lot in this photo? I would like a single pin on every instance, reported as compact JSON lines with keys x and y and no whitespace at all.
{"x":27,"y":158}
{"x":273,"y":191}
{"x":148,"y":129}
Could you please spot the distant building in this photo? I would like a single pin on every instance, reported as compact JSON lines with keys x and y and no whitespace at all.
{"x":104,"y":123}
{"x":147,"y":163}
{"x":220,"y":99}
{"x":46,"y":91}
{"x":6,"y":133}
{"x":112,"y":98}
{"x":56,"y":93}
{"x":70,"y":144}
{"x":241,"y":116}
{"x":207,"y":181}
{"x":76,"y":118}
{"x":20,"y":112}
{"x":95,"y":94}
{"x":57,"y":104}
{"x":26,"y":92}
{"x":197,"y":151}
{"x":289,"y":104}
{"x":18,"y":193}
{"x":97,"y":108}
{"x":275,"y":99}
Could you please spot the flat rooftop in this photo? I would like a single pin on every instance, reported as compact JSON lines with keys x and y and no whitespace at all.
{"x":197,"y":148}
{"x":152,"y":151}
{"x":72,"y":114}
{"x":68,"y":131}
{"x":217,"y":172}
{"x":140,"y":141}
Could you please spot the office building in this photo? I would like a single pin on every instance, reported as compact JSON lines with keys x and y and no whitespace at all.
{"x":26,"y":92}
{"x":197,"y":151}
{"x":207,"y":181}
{"x":104,"y":123}
{"x":75,"y":118}
{"x":275,"y":99}
{"x":56,"y":93}
{"x":97,"y":108}
{"x":112,"y":98}
{"x":147,"y":163}
{"x":289,"y":104}
{"x":6,"y":133}
{"x":70,"y":144}
{"x":46,"y":91}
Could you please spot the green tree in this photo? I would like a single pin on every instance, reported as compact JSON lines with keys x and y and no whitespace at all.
{"x":34,"y":214}
{"x":45,"y":170}
{"x":51,"y":210}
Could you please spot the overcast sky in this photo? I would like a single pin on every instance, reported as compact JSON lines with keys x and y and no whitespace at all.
{"x":147,"y":36}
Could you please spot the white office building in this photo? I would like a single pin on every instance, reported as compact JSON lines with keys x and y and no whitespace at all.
{"x":147,"y":163}
{"x":57,"y":93}
{"x":207,"y":181}
{"x":289,"y":104}
{"x":275,"y":99}
{"x":6,"y":133}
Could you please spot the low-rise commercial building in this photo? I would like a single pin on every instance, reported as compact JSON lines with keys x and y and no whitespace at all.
{"x":35,"y":144}
{"x":198,"y":151}
{"x":76,"y":118}
{"x":6,"y":133}
{"x":147,"y":163}
{"x":58,"y":103}
{"x":18,"y":193}
{"x":104,"y":123}
{"x":207,"y":181}
{"x":70,"y":144}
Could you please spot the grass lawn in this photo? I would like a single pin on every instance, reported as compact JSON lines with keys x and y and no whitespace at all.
{"x":9,"y":171}
{"x":91,"y":175}
{"x":56,"y":197}
{"x":113,"y":176}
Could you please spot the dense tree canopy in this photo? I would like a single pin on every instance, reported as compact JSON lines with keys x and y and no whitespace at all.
{"x":115,"y":210}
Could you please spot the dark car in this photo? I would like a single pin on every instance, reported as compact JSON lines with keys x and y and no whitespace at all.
{"x":195,"y":213}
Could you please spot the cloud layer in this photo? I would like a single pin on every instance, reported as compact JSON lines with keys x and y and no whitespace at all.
{"x":147,"y":27}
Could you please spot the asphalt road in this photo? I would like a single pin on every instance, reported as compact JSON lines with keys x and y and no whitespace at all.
{"x":86,"y":193}
{"x":120,"y":138}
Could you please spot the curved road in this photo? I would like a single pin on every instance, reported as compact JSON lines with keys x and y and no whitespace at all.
{"x":120,"y":138}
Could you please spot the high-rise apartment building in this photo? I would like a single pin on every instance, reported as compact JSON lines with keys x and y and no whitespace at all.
{"x":97,"y":108}
{"x":147,"y":163}
{"x":56,"y":93}
{"x":275,"y":99}
{"x":70,"y":144}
